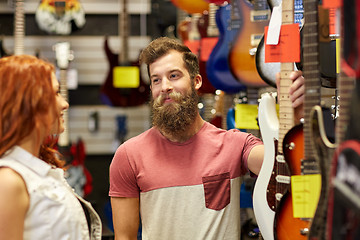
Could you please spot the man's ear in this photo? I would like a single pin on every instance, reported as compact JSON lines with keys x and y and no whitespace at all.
{"x":198,"y":81}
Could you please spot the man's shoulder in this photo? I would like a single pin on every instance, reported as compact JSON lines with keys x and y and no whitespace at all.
{"x":143,"y":137}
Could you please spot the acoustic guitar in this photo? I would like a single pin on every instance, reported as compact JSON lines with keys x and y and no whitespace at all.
{"x":112,"y":95}
{"x":255,"y":16}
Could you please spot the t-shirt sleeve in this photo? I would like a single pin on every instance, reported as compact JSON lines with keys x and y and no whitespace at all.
{"x":250,"y":142}
{"x":122,"y":176}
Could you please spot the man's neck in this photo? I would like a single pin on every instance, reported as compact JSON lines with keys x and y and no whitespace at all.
{"x":186,"y":135}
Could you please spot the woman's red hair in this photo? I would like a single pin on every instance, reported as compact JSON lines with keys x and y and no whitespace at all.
{"x":27,"y":103}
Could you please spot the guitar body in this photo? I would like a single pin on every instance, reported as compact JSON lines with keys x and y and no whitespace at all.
{"x":267,"y":71}
{"x":269,"y":127}
{"x":286,"y":226}
{"x":217,"y":66}
{"x":121,"y":97}
{"x":242,"y":54}
{"x":192,"y":6}
{"x":324,"y":149}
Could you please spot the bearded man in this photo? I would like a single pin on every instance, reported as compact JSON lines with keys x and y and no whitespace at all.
{"x":181,"y":177}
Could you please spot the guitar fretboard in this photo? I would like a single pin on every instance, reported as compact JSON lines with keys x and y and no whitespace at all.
{"x":19,"y":28}
{"x":63,"y":139}
{"x":286,"y":111}
{"x":310,"y":70}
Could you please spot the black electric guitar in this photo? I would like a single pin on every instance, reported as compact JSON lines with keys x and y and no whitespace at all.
{"x":125,"y":95}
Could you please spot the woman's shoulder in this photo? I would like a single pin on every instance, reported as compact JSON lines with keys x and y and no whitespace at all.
{"x":11,"y":180}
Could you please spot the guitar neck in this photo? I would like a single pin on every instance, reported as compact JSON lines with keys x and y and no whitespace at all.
{"x":286,"y":111}
{"x":311,"y":71}
{"x":124,"y":33}
{"x":64,"y":138}
{"x":19,"y":32}
{"x":345,"y":87}
{"x":212,"y":30}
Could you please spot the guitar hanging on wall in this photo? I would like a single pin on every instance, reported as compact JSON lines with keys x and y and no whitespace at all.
{"x":217,"y":66}
{"x":254,"y":17}
{"x":19,"y":29}
{"x":123,"y":86}
{"x":74,"y":154}
{"x":60,"y":16}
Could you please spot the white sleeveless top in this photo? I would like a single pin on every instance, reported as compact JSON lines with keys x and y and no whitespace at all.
{"x":55,"y":211}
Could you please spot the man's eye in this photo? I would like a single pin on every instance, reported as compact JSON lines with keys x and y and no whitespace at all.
{"x":174,"y":75}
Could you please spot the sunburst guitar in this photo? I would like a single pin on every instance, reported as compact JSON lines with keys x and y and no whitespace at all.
{"x":254,"y":17}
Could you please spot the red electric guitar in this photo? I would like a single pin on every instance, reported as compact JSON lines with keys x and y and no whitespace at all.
{"x":208,"y":36}
{"x":111,"y":94}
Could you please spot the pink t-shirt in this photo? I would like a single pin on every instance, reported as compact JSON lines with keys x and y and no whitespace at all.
{"x":198,"y":180}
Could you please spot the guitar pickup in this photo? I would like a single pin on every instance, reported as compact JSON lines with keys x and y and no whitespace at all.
{"x":283,"y":179}
{"x":260,"y":15}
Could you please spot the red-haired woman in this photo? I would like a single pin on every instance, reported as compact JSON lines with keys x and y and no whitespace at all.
{"x":35,"y":200}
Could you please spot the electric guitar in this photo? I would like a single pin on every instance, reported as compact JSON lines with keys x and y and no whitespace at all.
{"x":192,"y":6}
{"x":217,"y":66}
{"x":344,"y":194}
{"x":303,"y":161}
{"x":74,"y":154}
{"x":63,"y":56}
{"x":134,"y":94}
{"x":267,"y":71}
{"x":19,"y":29}
{"x":208,"y":34}
{"x":60,"y":16}
{"x":254,"y":17}
{"x":325,"y":148}
{"x":273,"y":180}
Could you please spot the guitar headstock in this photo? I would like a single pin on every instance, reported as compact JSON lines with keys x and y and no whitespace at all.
{"x":63,"y":54}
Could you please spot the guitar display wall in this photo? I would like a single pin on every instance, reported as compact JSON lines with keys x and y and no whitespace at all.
{"x":90,"y":63}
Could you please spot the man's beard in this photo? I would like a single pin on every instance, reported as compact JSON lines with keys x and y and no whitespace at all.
{"x":175,"y":117}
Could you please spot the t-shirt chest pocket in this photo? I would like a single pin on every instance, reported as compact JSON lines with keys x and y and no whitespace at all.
{"x":217,"y":191}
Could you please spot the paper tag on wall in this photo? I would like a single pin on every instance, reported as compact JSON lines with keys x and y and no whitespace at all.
{"x":245,"y":116}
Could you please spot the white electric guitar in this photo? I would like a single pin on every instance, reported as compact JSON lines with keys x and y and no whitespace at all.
{"x":273,"y":179}
{"x":63,"y":56}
